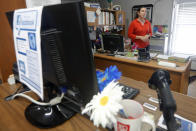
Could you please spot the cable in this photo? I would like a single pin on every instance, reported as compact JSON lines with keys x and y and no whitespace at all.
{"x":52,"y":102}
{"x":20,"y":89}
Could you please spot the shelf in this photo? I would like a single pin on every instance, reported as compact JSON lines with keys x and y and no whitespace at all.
{"x":108,"y":10}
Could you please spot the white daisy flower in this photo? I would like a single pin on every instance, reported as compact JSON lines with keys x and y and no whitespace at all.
{"x":105,"y":106}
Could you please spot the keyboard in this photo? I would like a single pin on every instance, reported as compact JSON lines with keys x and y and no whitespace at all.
{"x":129,"y":92}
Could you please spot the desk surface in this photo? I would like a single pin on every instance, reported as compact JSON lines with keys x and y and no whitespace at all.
{"x":12,"y":112}
{"x":181,"y":67}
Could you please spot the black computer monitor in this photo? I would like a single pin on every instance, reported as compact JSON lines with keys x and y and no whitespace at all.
{"x":67,"y":60}
{"x":113,"y":42}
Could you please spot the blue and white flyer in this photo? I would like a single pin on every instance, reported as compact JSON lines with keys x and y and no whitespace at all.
{"x":27,"y":41}
{"x":184,"y":124}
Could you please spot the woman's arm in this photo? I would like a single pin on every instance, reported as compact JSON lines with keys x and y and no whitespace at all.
{"x":147,"y":36}
{"x":150,"y":30}
{"x":131,"y":31}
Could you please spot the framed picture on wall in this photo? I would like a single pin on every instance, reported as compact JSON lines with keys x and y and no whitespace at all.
{"x":149,"y":11}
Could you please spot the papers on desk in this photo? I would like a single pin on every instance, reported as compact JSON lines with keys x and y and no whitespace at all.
{"x":186,"y":125}
{"x":160,"y":56}
{"x":167,"y":64}
{"x":153,"y":55}
{"x":27,"y":41}
{"x":179,"y":58}
{"x":126,"y":57}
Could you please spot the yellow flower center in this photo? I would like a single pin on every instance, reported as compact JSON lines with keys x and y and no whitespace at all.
{"x":103,"y":79}
{"x":104,"y":100}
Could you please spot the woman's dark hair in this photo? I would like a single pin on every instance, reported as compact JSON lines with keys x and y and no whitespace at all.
{"x":138,"y":10}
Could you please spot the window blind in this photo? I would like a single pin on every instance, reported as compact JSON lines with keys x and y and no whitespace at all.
{"x":184,"y":29}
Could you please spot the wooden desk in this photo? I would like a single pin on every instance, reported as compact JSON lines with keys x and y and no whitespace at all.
{"x":141,"y":71}
{"x":13,"y":119}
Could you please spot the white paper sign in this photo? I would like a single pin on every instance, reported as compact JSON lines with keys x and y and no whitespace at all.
{"x":91,"y":16}
{"x":26,"y":29}
{"x":186,"y":125}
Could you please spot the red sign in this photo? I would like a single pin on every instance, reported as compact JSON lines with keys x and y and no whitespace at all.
{"x":122,"y":127}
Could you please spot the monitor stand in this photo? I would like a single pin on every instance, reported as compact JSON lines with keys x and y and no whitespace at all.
{"x":48,"y":116}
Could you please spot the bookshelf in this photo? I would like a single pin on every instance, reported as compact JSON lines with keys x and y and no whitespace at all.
{"x":106,"y":17}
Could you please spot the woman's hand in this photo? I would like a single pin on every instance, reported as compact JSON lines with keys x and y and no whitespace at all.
{"x":145,"y":38}
{"x":148,"y":36}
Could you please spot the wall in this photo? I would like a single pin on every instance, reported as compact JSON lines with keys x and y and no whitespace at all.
{"x":162,"y":10}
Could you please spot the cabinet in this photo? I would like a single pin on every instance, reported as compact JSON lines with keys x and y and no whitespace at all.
{"x":1,"y":78}
{"x":7,"y":53}
{"x":120,"y":17}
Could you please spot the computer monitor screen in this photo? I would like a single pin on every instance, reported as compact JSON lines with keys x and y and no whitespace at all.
{"x":67,"y":58}
{"x":72,"y":46}
{"x":113,"y":42}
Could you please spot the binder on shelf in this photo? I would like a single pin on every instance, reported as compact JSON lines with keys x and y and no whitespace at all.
{"x":111,"y":19}
{"x":107,"y":20}
{"x":100,"y":19}
{"x":103,"y":18}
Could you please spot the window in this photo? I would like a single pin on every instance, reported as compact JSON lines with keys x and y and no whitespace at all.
{"x":183,"y":35}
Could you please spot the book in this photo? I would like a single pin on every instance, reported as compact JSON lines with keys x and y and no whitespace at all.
{"x":179,"y":58}
{"x":107,"y":20}
{"x":160,"y":56}
{"x":92,"y":5}
{"x":100,"y":19}
{"x":111,"y":19}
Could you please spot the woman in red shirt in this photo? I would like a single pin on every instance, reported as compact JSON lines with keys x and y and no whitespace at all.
{"x":140,"y":29}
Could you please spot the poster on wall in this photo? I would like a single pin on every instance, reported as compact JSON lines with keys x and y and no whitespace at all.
{"x":160,"y":31}
{"x":149,"y":11}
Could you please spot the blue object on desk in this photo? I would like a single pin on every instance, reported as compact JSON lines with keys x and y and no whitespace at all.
{"x":122,"y":114}
{"x":107,"y":76}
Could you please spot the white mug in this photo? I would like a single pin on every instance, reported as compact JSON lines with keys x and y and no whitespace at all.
{"x":135,"y":113}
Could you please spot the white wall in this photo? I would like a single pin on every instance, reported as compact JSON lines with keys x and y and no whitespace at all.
{"x":162,"y":10}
